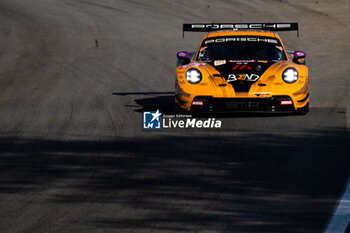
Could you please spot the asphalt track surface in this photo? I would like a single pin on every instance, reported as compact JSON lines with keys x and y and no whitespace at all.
{"x":75,"y":76}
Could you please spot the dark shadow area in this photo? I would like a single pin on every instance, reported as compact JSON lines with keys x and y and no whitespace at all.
{"x":165,"y":104}
{"x":144,"y":93}
{"x":164,"y":101}
{"x":348,"y":228}
{"x":254,"y":183}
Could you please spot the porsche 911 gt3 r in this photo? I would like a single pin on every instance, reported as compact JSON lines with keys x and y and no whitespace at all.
{"x":242,"y":67}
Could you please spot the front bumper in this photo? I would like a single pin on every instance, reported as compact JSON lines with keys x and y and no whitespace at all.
{"x":261,"y":104}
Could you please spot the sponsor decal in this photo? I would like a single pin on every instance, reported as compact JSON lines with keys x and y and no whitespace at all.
{"x":219,"y":62}
{"x":197,"y":102}
{"x":286,"y":102}
{"x":151,"y":120}
{"x":203,"y":48}
{"x":242,"y":77}
{"x":157,"y":120}
{"x":242,"y":26}
{"x":249,"y":39}
{"x":183,"y":54}
{"x":252,"y":77}
{"x":279,"y":47}
{"x":262,"y":61}
{"x":231,"y":78}
{"x":300,"y":54}
{"x":262,"y":93}
{"x":236,"y":67}
{"x":241,"y":67}
{"x":241,"y":61}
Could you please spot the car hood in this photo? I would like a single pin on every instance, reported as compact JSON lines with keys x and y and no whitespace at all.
{"x":242,"y":74}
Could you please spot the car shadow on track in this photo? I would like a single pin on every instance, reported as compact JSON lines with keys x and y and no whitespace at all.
{"x":164,"y":101}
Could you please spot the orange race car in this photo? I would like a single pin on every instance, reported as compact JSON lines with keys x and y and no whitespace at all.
{"x":242,"y":67}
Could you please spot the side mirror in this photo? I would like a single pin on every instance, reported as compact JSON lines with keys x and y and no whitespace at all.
{"x":299,"y":57}
{"x":183,"y":58}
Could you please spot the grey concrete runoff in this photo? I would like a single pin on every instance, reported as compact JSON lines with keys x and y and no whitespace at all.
{"x":75,"y":77}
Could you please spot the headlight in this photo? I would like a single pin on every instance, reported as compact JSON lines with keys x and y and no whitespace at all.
{"x":193,"y":76}
{"x":290,"y":75}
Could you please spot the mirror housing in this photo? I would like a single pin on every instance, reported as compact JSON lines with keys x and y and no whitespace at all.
{"x":299,"y":57}
{"x":183,"y":58}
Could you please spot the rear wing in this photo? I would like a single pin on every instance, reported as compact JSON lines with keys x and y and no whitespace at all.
{"x":209,"y":27}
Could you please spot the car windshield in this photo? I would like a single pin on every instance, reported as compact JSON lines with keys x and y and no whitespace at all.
{"x":241,"y":48}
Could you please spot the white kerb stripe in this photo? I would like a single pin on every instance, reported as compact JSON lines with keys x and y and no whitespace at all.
{"x":341,"y":217}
